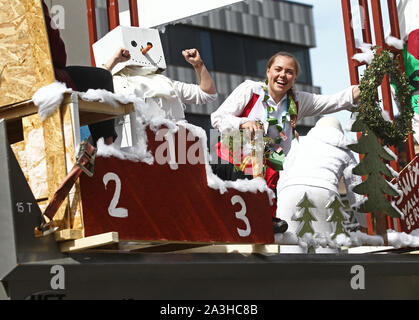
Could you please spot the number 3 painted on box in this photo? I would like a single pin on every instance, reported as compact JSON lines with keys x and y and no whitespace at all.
{"x":241,"y":215}
{"x":113,"y":210}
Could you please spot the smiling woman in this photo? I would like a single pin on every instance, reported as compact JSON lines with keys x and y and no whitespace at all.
{"x":274,"y":107}
{"x":282,"y":71}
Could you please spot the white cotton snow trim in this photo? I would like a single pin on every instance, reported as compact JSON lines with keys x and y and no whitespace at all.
{"x":286,"y":238}
{"x":359,"y":238}
{"x":132,"y":154}
{"x":394,"y":173}
{"x":366,"y":57}
{"x":323,"y":240}
{"x":355,"y":239}
{"x":49,"y":98}
{"x":102,"y":95}
{"x":395,"y":42}
{"x":391,"y":153}
{"x":393,"y":204}
{"x":214,"y":182}
{"x":402,"y":239}
{"x":367,"y":54}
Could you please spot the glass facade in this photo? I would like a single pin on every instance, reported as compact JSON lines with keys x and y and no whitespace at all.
{"x":228,"y":52}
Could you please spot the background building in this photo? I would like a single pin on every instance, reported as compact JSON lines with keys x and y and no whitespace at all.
{"x":235,"y":43}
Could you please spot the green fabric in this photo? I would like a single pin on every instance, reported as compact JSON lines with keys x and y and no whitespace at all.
{"x":292,"y":107}
{"x":276,"y":160}
{"x":272,"y":121}
{"x":411,"y":64}
{"x":306,"y":218}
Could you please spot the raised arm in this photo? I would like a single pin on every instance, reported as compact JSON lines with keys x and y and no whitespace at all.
{"x":121,"y":55}
{"x":206,"y":83}
{"x":311,"y":104}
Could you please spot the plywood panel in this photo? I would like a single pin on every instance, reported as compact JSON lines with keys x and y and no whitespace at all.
{"x":19,"y":151}
{"x":56,"y":163}
{"x":76,"y":221}
{"x":25,"y":60}
{"x":33,"y":159}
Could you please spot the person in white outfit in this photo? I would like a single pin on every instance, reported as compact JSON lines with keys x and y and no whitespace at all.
{"x":154,"y":88}
{"x":314,"y":166}
{"x":252,"y":103}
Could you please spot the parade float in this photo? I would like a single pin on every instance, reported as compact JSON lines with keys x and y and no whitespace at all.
{"x":152,"y":221}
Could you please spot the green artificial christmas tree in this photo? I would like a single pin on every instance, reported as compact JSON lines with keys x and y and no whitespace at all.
{"x":372,"y":167}
{"x":338,"y":216}
{"x":305,"y":218}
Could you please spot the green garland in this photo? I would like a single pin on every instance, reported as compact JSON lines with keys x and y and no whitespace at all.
{"x":391,"y":133}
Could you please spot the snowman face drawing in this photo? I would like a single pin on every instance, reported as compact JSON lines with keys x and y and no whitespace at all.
{"x":145,"y":48}
{"x":143,"y":44}
{"x":147,"y":51}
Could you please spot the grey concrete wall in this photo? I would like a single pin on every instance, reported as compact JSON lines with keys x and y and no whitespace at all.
{"x":75,"y":32}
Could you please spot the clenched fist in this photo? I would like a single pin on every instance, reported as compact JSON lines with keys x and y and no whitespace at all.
{"x":192,"y":56}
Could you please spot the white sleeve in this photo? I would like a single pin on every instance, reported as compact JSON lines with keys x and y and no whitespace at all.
{"x":225,"y":118}
{"x":351,"y":180}
{"x":192,"y":94}
{"x":311,"y":104}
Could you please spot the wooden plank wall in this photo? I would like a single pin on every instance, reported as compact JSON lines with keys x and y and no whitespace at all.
{"x":45,"y":156}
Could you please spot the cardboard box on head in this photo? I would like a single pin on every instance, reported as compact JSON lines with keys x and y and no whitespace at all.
{"x":143,"y":44}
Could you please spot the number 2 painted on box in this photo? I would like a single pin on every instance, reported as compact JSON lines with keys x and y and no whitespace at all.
{"x":112,"y":209}
{"x":241,"y":215}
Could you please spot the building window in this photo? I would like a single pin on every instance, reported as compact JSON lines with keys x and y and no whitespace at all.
{"x":180,"y":37}
{"x":230,"y":53}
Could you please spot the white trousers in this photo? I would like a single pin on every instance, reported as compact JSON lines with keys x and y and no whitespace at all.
{"x":289,"y":197}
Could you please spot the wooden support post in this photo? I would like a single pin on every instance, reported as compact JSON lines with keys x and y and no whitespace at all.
{"x":133,"y":10}
{"x":410,"y":148}
{"x":350,"y":41}
{"x":366,"y":28}
{"x":113,"y":13}
{"x":91,"y":21}
{"x":381,"y":225}
{"x":394,"y":19}
{"x":385,"y":87}
{"x":395,"y":32}
{"x":351,"y":50}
